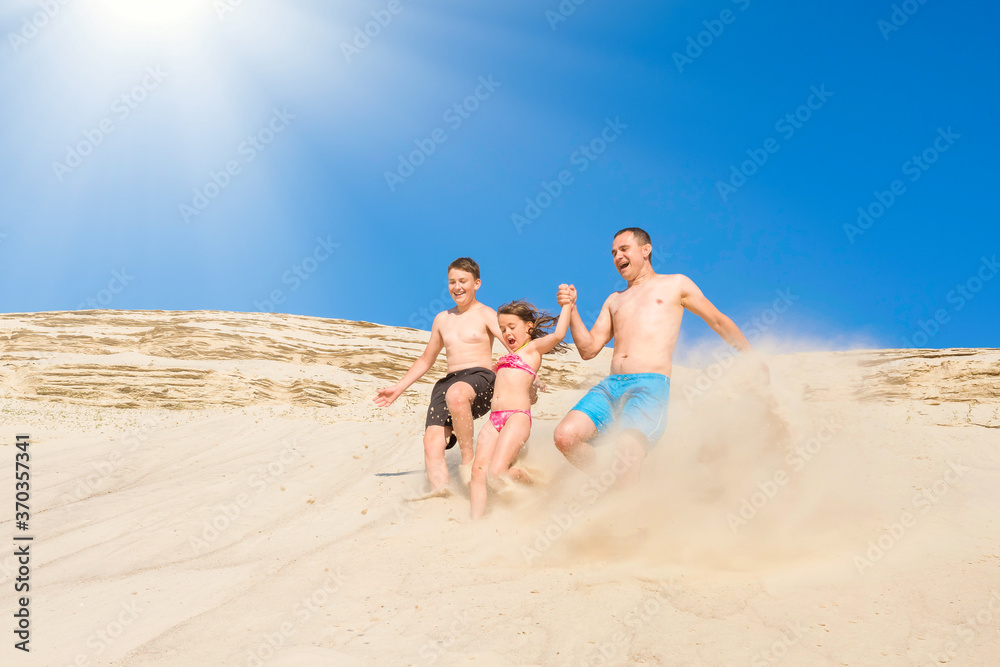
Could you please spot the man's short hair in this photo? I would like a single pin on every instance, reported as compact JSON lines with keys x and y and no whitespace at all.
{"x":466,"y":264}
{"x":641,"y":235}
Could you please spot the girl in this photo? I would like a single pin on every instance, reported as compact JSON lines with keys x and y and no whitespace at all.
{"x":524,"y":330}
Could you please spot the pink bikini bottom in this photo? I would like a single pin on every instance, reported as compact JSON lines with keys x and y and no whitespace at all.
{"x":500,"y":417}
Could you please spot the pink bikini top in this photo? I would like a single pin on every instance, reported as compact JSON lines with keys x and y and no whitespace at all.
{"x":512,"y":361}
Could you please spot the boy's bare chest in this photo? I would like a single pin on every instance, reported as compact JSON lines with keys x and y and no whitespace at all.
{"x":458,"y":332}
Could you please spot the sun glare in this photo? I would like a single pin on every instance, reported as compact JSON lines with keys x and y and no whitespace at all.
{"x":151,"y":14}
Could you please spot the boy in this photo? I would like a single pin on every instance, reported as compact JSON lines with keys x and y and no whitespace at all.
{"x":466,"y":333}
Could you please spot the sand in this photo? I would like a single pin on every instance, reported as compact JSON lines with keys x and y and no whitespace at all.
{"x":217,"y":488}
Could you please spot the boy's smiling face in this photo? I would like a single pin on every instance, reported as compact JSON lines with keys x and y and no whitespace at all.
{"x":463,"y":286}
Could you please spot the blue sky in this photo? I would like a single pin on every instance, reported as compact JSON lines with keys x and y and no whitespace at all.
{"x":202,"y":154}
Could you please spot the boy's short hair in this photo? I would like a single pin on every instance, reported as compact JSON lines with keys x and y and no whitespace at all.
{"x":641,"y":235}
{"x":466,"y":264}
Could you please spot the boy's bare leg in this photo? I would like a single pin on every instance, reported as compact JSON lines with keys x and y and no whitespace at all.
{"x":435,"y":439}
{"x":573,"y":436}
{"x":459,"y":399}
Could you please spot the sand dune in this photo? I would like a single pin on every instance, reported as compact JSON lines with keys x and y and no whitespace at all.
{"x":218,"y":488}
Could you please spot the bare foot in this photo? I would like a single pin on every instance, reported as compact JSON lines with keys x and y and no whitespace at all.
{"x":500,"y":484}
{"x":443,"y":492}
{"x":521,"y":476}
{"x":529,"y":476}
{"x":465,"y":473}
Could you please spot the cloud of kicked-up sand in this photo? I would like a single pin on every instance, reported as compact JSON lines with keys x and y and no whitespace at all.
{"x":746,"y":477}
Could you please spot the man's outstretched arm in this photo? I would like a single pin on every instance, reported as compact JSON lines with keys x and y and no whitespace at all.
{"x":693,"y":299}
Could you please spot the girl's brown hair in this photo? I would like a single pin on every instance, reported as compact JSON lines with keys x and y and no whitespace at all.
{"x":528,"y":313}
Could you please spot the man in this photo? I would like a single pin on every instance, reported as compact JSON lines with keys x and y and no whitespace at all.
{"x":466,"y":333}
{"x":644,"y":320}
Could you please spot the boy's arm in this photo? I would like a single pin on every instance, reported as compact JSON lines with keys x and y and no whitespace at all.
{"x":423,"y":364}
{"x":547,"y":342}
{"x":693,"y":299}
{"x":589,"y":343}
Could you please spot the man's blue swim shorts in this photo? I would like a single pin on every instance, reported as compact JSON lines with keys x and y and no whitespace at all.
{"x":638,"y":401}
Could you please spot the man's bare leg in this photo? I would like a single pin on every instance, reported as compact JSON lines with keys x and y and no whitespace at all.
{"x":459,"y":399}
{"x":435,"y":439}
{"x":628,"y":460}
{"x":573,"y":436}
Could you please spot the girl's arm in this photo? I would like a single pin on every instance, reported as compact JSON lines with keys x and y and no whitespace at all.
{"x":546,"y":343}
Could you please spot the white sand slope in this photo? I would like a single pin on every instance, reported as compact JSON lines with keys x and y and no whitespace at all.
{"x":204,"y":492}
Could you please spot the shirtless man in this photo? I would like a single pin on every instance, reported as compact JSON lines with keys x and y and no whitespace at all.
{"x":466,"y":333}
{"x":644,"y":320}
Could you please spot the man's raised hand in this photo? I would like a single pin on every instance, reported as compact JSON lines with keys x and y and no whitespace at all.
{"x":566,"y":295}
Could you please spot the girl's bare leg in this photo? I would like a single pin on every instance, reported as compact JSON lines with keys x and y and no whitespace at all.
{"x":515,"y":433}
{"x":484,"y":452}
